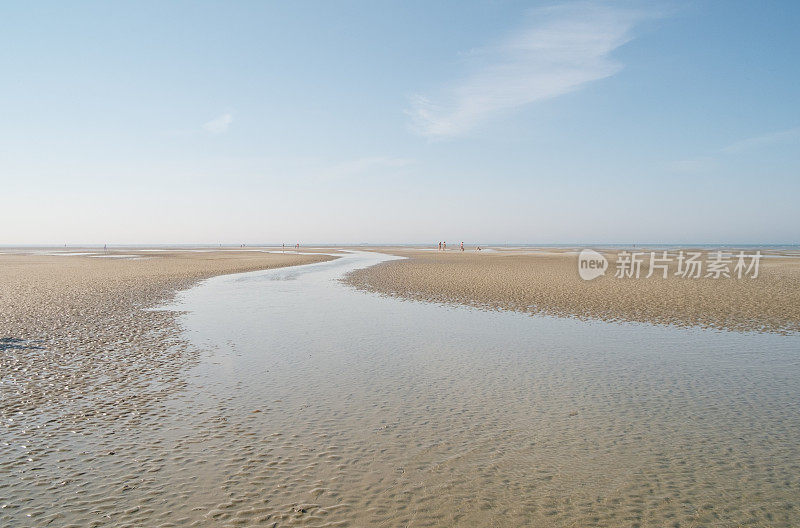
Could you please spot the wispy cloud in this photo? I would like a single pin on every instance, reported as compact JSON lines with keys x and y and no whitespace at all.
{"x":219,"y":125}
{"x":560,"y":49}
{"x":363,"y":166}
{"x":791,"y":135}
{"x":711,"y":160}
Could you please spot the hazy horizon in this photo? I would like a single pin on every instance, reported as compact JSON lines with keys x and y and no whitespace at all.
{"x":356,"y":122}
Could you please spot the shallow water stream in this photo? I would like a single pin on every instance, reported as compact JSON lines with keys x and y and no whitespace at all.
{"x":318,"y":405}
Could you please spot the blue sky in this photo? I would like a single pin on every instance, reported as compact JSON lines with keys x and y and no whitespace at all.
{"x":348,"y":122}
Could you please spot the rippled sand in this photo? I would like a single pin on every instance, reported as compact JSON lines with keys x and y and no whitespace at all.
{"x":548,"y":282}
{"x":81,"y":360}
{"x":314,"y":404}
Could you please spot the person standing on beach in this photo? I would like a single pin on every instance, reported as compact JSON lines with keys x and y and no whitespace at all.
{"x":444,"y":246}
{"x":440,"y":246}
{"x":462,"y":245}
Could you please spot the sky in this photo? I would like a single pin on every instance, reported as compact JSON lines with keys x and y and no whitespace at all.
{"x":399,"y":122}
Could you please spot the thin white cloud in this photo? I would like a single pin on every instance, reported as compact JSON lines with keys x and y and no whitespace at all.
{"x":791,"y":135}
{"x":219,"y":125}
{"x":364,"y":166}
{"x":560,"y":49}
{"x":710,"y":161}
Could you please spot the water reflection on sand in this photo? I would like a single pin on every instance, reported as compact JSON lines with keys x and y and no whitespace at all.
{"x":319,"y":405}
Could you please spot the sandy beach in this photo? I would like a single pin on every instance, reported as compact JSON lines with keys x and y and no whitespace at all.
{"x":286,"y":398}
{"x":76,"y":324}
{"x":547,"y":282}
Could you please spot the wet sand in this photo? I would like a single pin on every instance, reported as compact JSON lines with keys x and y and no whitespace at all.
{"x":285,"y":398}
{"x":361,"y":410}
{"x":81,"y":355}
{"x":547,"y":282}
{"x":77,"y":326}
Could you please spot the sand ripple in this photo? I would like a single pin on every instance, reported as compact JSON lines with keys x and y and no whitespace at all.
{"x":547,"y":282}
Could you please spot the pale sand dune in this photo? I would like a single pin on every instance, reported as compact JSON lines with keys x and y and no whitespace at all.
{"x":547,"y":282}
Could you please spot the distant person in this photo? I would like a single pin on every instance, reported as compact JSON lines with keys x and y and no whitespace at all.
{"x":440,"y":246}
{"x":444,"y":246}
{"x":283,"y":247}
{"x":462,"y":245}
{"x":105,"y":248}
